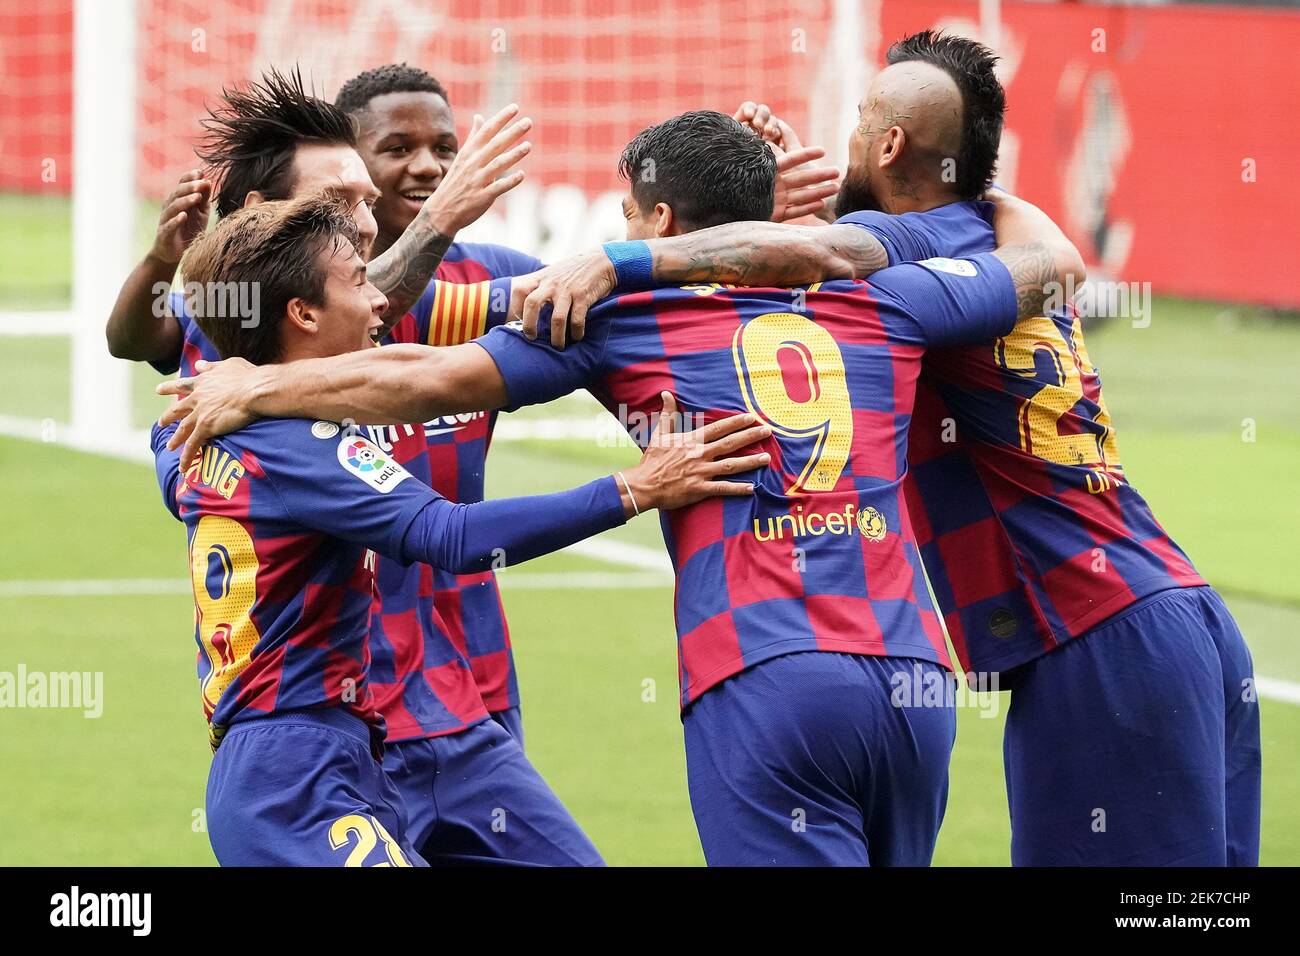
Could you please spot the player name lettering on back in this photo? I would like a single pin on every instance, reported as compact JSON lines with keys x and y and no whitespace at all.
{"x":218,"y":469}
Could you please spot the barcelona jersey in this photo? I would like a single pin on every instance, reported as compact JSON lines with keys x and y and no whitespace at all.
{"x":423,"y":680}
{"x":822,"y":557}
{"x":453,"y":310}
{"x":1030,"y":530}
{"x":282,"y":566}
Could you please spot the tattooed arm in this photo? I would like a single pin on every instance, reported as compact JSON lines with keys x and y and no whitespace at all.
{"x":465,"y":193}
{"x":1044,"y":264}
{"x":745,"y":253}
{"x":405,"y":270}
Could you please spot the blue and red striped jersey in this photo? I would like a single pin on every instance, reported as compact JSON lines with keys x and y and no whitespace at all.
{"x":423,"y":680}
{"x":454,"y":309}
{"x":823,"y":556}
{"x":283,"y":519}
{"x":1029,"y":528}
{"x":194,"y":344}
{"x":281,"y":526}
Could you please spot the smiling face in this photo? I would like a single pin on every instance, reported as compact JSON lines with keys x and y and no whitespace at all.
{"x":408,"y":142}
{"x":349,"y":315}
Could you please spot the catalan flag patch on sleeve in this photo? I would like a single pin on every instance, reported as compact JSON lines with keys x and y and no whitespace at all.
{"x":459,"y":312}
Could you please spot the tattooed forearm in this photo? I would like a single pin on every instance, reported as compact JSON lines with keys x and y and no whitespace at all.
{"x":403,"y":272}
{"x":768,"y":254}
{"x":1034,"y":271}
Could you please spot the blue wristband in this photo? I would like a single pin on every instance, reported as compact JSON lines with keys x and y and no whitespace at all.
{"x":633,"y":264}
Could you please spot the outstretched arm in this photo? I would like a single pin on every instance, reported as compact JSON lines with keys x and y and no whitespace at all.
{"x":677,"y":469}
{"x":395,"y":383}
{"x":746,"y":253}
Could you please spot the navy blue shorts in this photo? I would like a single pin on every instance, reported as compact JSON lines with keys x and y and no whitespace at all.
{"x":1137,"y":744}
{"x":473,"y":798}
{"x":816,"y":759}
{"x":304,"y":789}
{"x":512,"y":720}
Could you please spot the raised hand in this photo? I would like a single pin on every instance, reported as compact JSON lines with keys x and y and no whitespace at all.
{"x":802,"y":187}
{"x":759,"y":118}
{"x":184,"y":217}
{"x":481,"y":171}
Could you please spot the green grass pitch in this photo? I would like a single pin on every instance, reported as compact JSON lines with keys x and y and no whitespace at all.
{"x":124,"y":789}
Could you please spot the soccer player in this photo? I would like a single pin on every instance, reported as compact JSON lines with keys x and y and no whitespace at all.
{"x":407,"y":139}
{"x":284,"y":519}
{"x":272,"y":140}
{"x":1133,"y":732}
{"x":817,"y":708}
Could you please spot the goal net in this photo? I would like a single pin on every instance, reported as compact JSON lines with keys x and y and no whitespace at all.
{"x":100,"y":102}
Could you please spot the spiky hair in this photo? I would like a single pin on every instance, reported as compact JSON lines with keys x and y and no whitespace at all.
{"x":251,"y":136}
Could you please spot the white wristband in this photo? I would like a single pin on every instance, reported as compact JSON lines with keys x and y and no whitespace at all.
{"x":635,"y":510}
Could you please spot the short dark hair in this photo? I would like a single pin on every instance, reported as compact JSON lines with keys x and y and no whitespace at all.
{"x":706,"y":166}
{"x":984,"y":102}
{"x":276,"y":245}
{"x":356,"y":94}
{"x":251,"y":137}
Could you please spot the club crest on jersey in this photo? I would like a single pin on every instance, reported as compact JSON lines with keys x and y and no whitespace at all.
{"x":367,"y":462}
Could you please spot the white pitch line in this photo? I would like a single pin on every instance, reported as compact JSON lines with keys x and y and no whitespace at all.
{"x":619,"y":552}
{"x":1272,"y":688}
{"x":95,"y":587}
{"x":1275,"y":689}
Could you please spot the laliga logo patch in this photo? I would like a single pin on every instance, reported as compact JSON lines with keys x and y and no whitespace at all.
{"x":368,"y":463}
{"x":872,"y":524}
{"x":363,"y":456}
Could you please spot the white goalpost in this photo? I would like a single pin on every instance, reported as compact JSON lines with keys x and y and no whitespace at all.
{"x":103,"y":214}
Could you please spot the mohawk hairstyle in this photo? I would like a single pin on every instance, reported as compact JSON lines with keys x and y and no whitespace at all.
{"x":984,"y":102}
{"x":356,"y":94}
{"x":274,"y":247}
{"x":250,"y":138}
